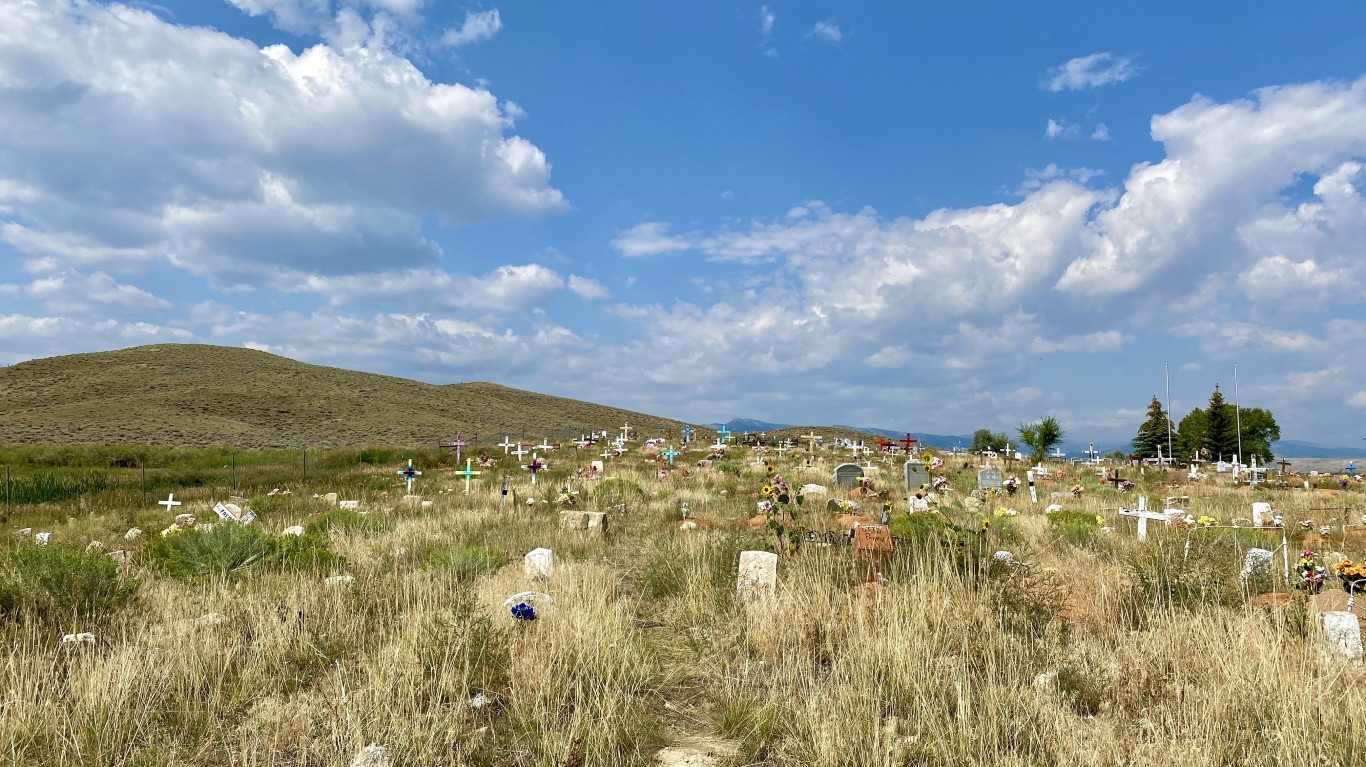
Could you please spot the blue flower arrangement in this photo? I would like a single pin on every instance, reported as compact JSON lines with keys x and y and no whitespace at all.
{"x":523,"y":612}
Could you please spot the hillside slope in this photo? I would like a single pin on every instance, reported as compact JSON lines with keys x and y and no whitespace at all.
{"x":193,"y":394}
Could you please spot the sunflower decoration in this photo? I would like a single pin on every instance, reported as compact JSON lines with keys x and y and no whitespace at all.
{"x":766,"y":490}
{"x":769,"y":470}
{"x":986,"y":524}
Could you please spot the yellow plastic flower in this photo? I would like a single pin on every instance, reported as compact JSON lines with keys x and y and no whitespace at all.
{"x":769,"y":470}
{"x":986,"y":524}
{"x":1206,"y":521}
{"x":1100,"y":520}
{"x":766,"y":489}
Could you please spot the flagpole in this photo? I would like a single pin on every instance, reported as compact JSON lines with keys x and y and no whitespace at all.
{"x":1237,"y":413}
{"x":1166,"y":374}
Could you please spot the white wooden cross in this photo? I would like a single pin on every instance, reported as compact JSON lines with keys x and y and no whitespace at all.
{"x":782,"y":448}
{"x":1143,"y":515}
{"x":170,"y":503}
{"x":505,"y":444}
{"x":519,"y":452}
{"x":625,"y":431}
{"x":607,"y":454}
{"x":545,"y":445}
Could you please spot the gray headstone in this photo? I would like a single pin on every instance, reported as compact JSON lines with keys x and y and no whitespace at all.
{"x":987,"y":478}
{"x":916,"y":475}
{"x":847,"y":475}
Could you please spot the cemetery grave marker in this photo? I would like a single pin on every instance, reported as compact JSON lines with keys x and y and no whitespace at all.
{"x":988,"y":479}
{"x":670,"y":454}
{"x":811,"y":438}
{"x":908,"y":442}
{"x":467,"y":473}
{"x":352,"y":505}
{"x":847,"y":475}
{"x":916,"y":474}
{"x":170,"y":503}
{"x":506,"y":444}
{"x":687,"y":434}
{"x":409,"y":474}
{"x":872,"y":549}
{"x":231,"y":512}
{"x":457,"y":443}
{"x":723,"y":434}
{"x":1143,"y":515}
{"x":757,"y":577}
{"x":519,"y":452}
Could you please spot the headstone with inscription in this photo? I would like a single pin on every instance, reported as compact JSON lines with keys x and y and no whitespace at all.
{"x":847,"y":475}
{"x":989,"y":478}
{"x":916,"y":475}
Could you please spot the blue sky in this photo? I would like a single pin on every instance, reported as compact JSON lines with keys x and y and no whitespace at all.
{"x":936,"y":217}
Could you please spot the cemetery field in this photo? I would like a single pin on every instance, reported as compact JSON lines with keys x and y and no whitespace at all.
{"x":380,"y":632}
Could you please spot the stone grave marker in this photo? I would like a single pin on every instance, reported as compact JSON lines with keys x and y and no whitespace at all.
{"x":916,"y":475}
{"x":989,"y":478}
{"x":351,"y":505}
{"x":539,"y":564}
{"x":1341,"y":638}
{"x":1256,"y":562}
{"x":231,"y":512}
{"x":847,"y":475}
{"x":330,"y":498}
{"x":1261,"y":513}
{"x":757,"y":577}
{"x":587,"y":521}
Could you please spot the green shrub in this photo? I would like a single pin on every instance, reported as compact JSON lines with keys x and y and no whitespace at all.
{"x":621,"y":490}
{"x":229,"y":549}
{"x":466,"y":561}
{"x":1075,"y":528}
{"x":731,"y":467}
{"x":665,"y":576}
{"x":346,"y":519}
{"x":58,"y":582}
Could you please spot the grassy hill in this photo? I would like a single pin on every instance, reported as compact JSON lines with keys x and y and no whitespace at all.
{"x":195,"y":395}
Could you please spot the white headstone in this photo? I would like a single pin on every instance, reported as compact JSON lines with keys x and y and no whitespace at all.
{"x":814,"y":490}
{"x":1341,"y":638}
{"x":597,"y":466}
{"x":540,"y":602}
{"x":1255,"y":561}
{"x":757,"y":577}
{"x":330,"y":498}
{"x":539,"y":564}
{"x":1261,"y":513}
{"x":352,"y":505}
{"x":295,"y":531}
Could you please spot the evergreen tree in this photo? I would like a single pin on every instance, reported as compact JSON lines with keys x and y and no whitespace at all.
{"x":1152,"y":435}
{"x":1221,"y":433}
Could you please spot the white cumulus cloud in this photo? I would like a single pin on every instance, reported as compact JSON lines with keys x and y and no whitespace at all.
{"x":477,"y":28}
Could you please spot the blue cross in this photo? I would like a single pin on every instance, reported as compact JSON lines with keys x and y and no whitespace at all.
{"x":724,"y":434}
{"x":409,"y":473}
{"x":687,"y":435}
{"x":670,"y":453}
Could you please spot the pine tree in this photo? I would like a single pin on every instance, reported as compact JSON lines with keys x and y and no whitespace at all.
{"x":1221,"y":433}
{"x":1152,"y":435}
{"x":1190,"y":435}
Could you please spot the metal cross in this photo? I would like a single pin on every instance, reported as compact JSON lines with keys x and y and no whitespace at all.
{"x":670,"y":453}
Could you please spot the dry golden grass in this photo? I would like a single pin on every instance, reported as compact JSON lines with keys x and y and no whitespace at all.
{"x":936,"y":668}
